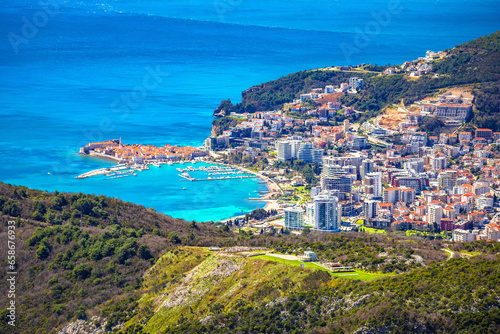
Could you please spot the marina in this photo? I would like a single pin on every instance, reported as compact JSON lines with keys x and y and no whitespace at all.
{"x":227,"y":173}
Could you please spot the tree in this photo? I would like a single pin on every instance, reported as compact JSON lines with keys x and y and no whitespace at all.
{"x":144,"y":253}
{"x":174,"y":238}
{"x":42,"y":252}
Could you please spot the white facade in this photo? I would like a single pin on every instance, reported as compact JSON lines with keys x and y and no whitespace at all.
{"x":294,"y":217}
{"x":438,"y":163}
{"x":373,"y":184}
{"x":435,"y":214}
{"x":484,"y":203}
{"x":463,"y":236}
{"x":326,"y":212}
{"x":284,"y":150}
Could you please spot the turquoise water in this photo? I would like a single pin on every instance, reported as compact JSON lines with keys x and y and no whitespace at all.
{"x":151,"y":72}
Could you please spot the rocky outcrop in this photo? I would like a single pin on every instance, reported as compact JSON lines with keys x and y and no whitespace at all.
{"x":94,"y":325}
{"x":224,"y":109}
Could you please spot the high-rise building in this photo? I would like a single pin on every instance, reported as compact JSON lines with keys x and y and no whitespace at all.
{"x":338,"y":183}
{"x":414,"y":165}
{"x":435,"y":214}
{"x":294,"y":217}
{"x":446,"y":180}
{"x":294,"y":147}
{"x":326,"y":212}
{"x":309,"y":217}
{"x":318,"y":155}
{"x":370,"y":208}
{"x":408,"y":195}
{"x":305,"y":152}
{"x":372,"y":183}
{"x":438,"y":163}
{"x":366,"y":167}
{"x":284,"y":150}
{"x":392,"y":195}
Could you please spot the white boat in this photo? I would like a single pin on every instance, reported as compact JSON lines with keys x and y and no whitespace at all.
{"x":184,"y":188}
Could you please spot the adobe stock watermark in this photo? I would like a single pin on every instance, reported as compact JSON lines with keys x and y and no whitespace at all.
{"x":364,"y":35}
{"x":224,"y":6}
{"x":121,"y":107}
{"x":128,"y":102}
{"x":31,"y":26}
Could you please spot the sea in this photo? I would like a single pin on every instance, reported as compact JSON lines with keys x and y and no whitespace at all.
{"x":151,"y":72}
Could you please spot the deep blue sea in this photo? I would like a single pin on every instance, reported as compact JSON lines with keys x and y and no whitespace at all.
{"x":152,"y":72}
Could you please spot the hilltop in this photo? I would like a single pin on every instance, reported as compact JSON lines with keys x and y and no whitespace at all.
{"x":475,"y":64}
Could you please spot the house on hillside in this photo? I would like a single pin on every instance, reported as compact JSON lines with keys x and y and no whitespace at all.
{"x":308,"y":257}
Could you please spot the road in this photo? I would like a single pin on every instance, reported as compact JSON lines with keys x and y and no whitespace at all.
{"x":378,"y":141}
{"x":449,"y":251}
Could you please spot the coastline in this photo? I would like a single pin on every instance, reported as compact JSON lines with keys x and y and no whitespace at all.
{"x":272,"y":187}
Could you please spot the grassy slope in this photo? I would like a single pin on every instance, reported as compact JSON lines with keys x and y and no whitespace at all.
{"x":209,"y":290}
{"x":457,"y":296}
{"x":355,"y":274}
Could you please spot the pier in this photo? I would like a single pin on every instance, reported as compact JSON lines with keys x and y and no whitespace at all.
{"x":214,"y":169}
{"x":226,"y":173}
{"x":190,"y":178}
{"x":117,"y":170}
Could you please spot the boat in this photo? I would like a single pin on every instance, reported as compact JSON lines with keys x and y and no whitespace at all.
{"x":48,"y":173}
{"x":184,"y":188}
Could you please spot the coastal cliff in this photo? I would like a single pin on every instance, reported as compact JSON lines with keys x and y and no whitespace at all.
{"x":224,"y":108}
{"x":222,"y":124}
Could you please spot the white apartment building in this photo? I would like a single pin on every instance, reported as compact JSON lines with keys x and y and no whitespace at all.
{"x":284,"y":150}
{"x":372,"y":183}
{"x":463,"y":236}
{"x":294,"y":217}
{"x":326,"y":212}
{"x":435,"y":214}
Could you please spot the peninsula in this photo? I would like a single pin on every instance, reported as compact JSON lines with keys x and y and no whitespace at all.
{"x":140,"y":154}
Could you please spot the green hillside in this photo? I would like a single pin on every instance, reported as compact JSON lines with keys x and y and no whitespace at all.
{"x":94,"y":261}
{"x":79,"y":255}
{"x":475,"y":64}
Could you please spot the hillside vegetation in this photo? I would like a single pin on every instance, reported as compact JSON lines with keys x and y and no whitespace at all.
{"x":456,"y":296}
{"x":83,"y":256}
{"x":76,"y":253}
{"x":273,"y":94}
{"x":475,"y":64}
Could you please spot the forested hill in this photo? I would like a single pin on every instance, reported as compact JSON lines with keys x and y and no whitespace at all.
{"x":475,"y":63}
{"x":273,"y":94}
{"x":79,"y":255}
